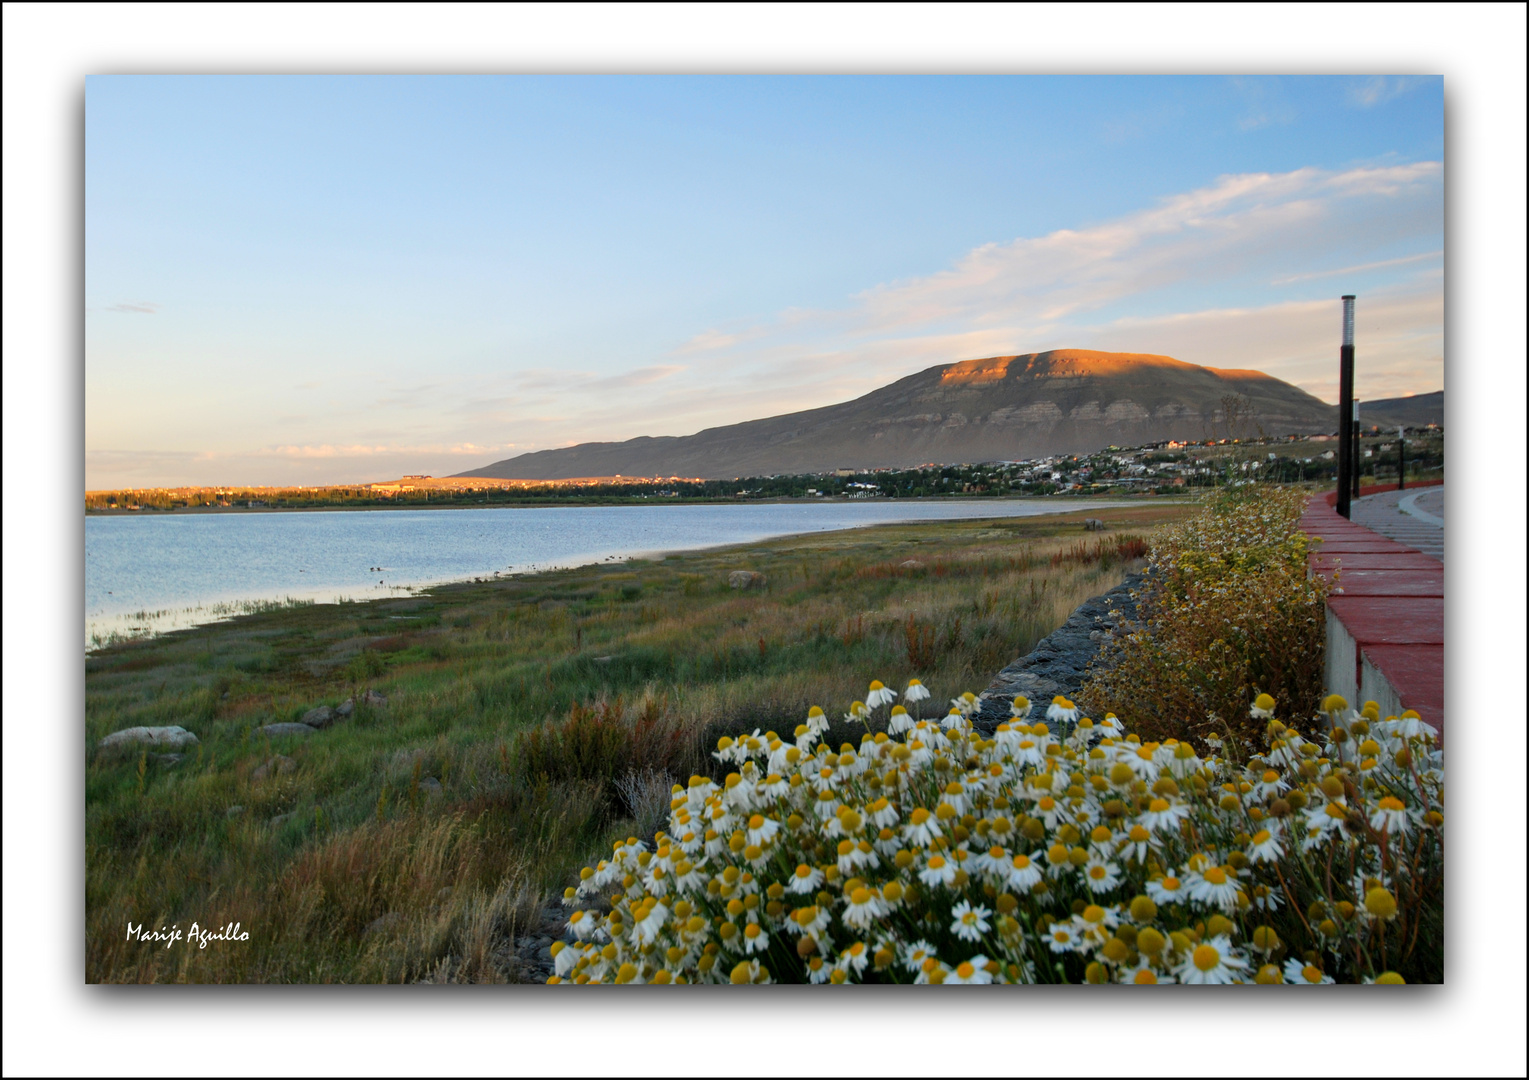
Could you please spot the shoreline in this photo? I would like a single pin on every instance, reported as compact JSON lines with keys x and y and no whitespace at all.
{"x":592,"y":504}
{"x":336,"y":595}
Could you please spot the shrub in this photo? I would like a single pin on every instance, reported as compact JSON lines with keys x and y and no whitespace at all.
{"x":1226,"y":613}
{"x":935,"y":855}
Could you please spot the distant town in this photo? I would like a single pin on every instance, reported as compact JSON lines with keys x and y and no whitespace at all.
{"x":1157,"y":469}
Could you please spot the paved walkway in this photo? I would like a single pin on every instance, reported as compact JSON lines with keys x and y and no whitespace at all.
{"x":1414,"y":517}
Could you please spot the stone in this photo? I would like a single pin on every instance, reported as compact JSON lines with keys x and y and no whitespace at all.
{"x":279,"y":765}
{"x":911,"y":564}
{"x":320,"y":717}
{"x":431,"y":787}
{"x":745,"y":579}
{"x":374,"y":699}
{"x":1093,"y":524}
{"x":1059,"y":662}
{"x":167,"y":760}
{"x":383,"y":923}
{"x":281,"y":819}
{"x":277,"y":731}
{"x":161,"y":738}
{"x":345,"y":708}
{"x":233,"y":811}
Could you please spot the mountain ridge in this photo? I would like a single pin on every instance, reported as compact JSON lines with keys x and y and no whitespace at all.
{"x":1063,"y":401}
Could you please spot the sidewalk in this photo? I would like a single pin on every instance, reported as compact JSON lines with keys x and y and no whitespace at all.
{"x":1414,"y":517}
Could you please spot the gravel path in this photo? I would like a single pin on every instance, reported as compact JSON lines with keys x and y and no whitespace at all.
{"x":1414,"y":517}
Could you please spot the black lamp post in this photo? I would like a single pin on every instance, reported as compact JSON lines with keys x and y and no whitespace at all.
{"x":1346,"y":417}
{"x":1401,"y":459}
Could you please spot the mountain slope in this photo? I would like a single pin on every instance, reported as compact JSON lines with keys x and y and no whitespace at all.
{"x":1417,"y":411}
{"x":1066,"y":401}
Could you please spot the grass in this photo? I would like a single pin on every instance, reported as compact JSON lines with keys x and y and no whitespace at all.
{"x":529,"y":721}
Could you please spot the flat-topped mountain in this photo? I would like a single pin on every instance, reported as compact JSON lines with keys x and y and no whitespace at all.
{"x":1004,"y":408}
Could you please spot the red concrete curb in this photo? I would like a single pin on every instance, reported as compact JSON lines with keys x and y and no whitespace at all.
{"x":1385,"y":613}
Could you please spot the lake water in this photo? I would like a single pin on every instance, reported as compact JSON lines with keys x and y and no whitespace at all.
{"x":151,"y":573}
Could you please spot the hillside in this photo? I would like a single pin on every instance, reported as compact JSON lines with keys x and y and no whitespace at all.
{"x":1417,"y":411}
{"x":1002,"y":408}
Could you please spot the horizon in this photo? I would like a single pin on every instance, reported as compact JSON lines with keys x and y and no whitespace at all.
{"x":299,"y":280}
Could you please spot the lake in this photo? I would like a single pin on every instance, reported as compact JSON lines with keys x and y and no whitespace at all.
{"x":157,"y":572}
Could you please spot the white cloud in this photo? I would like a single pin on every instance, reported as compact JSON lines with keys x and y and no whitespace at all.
{"x":1378,"y":89}
{"x":135,"y":307}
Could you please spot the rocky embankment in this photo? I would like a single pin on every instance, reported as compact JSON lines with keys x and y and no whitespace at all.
{"x":1059,"y":661}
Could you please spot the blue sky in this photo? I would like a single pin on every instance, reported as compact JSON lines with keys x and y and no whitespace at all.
{"x":303,"y":279}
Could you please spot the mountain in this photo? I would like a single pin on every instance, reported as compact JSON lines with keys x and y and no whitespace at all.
{"x":1417,"y":411}
{"x":1004,"y":408}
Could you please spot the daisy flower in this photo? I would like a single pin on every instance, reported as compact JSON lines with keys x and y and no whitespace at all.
{"x":966,"y":704}
{"x":806,"y":879}
{"x":954,"y":797}
{"x":916,"y":953}
{"x":811,"y":920}
{"x":1019,"y":708}
{"x":879,"y":695}
{"x":922,"y":828}
{"x":858,"y":712}
{"x":1390,"y":813}
{"x":899,"y":721}
{"x":956,"y":721}
{"x":853,"y":959}
{"x":1215,"y":886}
{"x":1029,"y":751}
{"x":969,"y":923}
{"x":1265,"y":845}
{"x":582,"y":924}
{"x":1062,"y":710}
{"x":761,"y":830}
{"x":1164,"y":815}
{"x":817,"y":720}
{"x":1137,"y":843}
{"x":1301,"y":974}
{"x":1269,"y":786}
{"x":916,"y":692}
{"x":755,"y":939}
{"x":1063,"y":937}
{"x":1143,"y":975}
{"x":882,"y":813}
{"x":1263,"y":707}
{"x":1100,"y":875}
{"x":969,"y":972}
{"x":993,"y":864}
{"x":1166,"y":890}
{"x":1212,"y":961}
{"x":1023,"y":874}
{"x":938,"y":871}
{"x":863,"y":907}
{"x":817,"y":971}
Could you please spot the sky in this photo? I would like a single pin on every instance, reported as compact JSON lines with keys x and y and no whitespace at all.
{"x":307,"y":279}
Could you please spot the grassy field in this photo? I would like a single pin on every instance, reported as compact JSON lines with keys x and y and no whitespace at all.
{"x":527,"y":722}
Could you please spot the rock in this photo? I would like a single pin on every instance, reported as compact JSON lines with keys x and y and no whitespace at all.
{"x":383,"y":923}
{"x":1059,"y":662}
{"x":345,"y":708}
{"x":167,"y":760}
{"x":600,"y":660}
{"x":233,"y":811}
{"x":320,"y":717}
{"x":443,"y":894}
{"x":374,"y":699}
{"x":276,"y":731}
{"x":1093,"y":524}
{"x":281,"y":819}
{"x":164,"y":738}
{"x":431,"y":788}
{"x":745,"y":579}
{"x":911,"y":564}
{"x":279,"y":765}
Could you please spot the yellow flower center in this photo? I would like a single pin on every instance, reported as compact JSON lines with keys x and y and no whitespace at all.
{"x":965,"y":970}
{"x":1216,"y":876}
{"x":1144,"y":977}
{"x":1311,"y":974}
{"x":757,"y":821}
{"x":1171,"y":884}
{"x":1206,"y":958}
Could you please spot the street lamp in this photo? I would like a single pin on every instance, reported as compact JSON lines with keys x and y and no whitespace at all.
{"x":1347,"y":409}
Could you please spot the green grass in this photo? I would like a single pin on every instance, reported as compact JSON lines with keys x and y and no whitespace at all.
{"x":614,"y":669}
